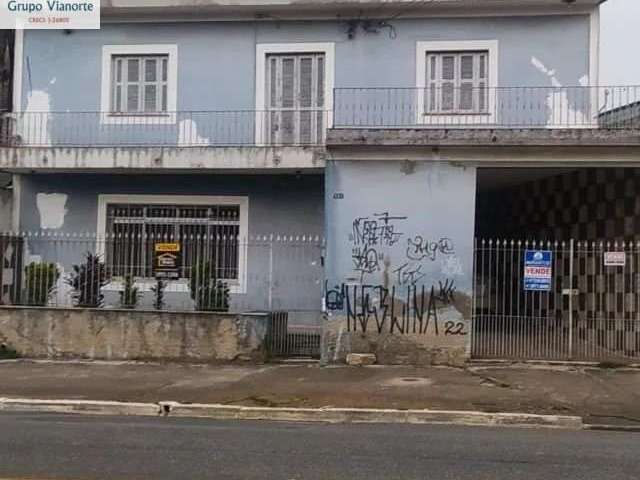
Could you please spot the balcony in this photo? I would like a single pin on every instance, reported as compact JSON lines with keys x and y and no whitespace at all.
{"x":296,"y":139}
{"x":480,"y":107}
{"x":283,"y":127}
{"x":281,"y":140}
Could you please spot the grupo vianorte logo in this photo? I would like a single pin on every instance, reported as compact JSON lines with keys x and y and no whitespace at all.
{"x":67,"y":14}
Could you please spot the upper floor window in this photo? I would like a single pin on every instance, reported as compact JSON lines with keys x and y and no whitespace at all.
{"x":139,"y":83}
{"x":456,"y":82}
{"x":295,"y":97}
{"x":294,"y":92}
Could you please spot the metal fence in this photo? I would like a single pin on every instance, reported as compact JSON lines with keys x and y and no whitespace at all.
{"x":287,"y":341}
{"x":591,"y":311}
{"x":484,"y":107}
{"x":176,"y":129}
{"x":202,"y":272}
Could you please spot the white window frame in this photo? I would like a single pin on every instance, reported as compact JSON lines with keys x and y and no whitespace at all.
{"x":422,"y":48}
{"x":239,"y":286}
{"x":264,"y":49}
{"x":168,"y":118}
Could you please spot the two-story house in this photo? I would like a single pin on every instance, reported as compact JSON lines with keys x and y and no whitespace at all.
{"x":397,"y":130}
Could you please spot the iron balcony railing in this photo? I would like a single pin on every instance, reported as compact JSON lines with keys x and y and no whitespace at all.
{"x":483,"y":107}
{"x":296,"y":127}
{"x":430,"y":107}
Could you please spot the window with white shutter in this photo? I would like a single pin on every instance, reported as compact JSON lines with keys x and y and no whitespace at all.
{"x":456,"y":82}
{"x":139,"y":84}
{"x":295,"y":102}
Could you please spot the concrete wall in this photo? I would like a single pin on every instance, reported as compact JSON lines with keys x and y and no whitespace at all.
{"x":6,"y":210}
{"x":290,"y":205}
{"x":399,"y":260}
{"x":216,"y":63}
{"x":128,"y":335}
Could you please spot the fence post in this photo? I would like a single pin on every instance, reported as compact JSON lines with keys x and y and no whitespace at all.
{"x":270,"y":299}
{"x":571,"y":299}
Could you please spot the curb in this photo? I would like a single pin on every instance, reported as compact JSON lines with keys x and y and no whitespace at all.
{"x":86,"y":407}
{"x":316,"y":415}
{"x":612,"y":428}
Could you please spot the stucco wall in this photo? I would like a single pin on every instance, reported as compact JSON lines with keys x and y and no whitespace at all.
{"x":217,"y":60}
{"x":128,"y":335}
{"x":216,"y":63}
{"x":290,"y":205}
{"x":399,"y":260}
{"x":6,"y":209}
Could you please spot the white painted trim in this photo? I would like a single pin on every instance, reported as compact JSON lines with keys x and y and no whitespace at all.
{"x":594,"y":63}
{"x":18,"y":62}
{"x":279,"y":15}
{"x":451,"y":46}
{"x":172,"y":84}
{"x":147,"y":284}
{"x":263,"y":49}
{"x":243,"y":201}
{"x":16,"y":198}
{"x":594,"y":48}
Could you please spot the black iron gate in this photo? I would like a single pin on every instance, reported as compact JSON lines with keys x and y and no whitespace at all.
{"x":292,"y":341}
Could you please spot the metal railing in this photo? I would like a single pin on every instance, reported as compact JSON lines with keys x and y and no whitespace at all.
{"x":282,"y":127}
{"x":202,"y":272}
{"x":483,"y":107}
{"x":589,"y":309}
{"x":473,"y":107}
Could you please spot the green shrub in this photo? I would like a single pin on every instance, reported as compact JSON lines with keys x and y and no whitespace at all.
{"x":158,"y":294}
{"x":130,"y":294}
{"x":40,"y":282}
{"x":209,"y":293}
{"x":87,"y":280}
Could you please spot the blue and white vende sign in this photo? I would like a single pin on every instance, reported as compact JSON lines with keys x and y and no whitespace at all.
{"x":538,"y":270}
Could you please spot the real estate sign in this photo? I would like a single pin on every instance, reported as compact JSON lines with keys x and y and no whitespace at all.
{"x":166,"y":261}
{"x":538,"y":270}
{"x":615,"y":259}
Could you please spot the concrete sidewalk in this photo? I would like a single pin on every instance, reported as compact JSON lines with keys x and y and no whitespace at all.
{"x":605,"y":396}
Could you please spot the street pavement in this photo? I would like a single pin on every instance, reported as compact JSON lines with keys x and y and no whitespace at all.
{"x":604,"y":396}
{"x":46,"y":447}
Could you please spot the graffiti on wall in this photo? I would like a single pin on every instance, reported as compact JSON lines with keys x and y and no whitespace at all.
{"x":375,"y":237}
{"x":396,"y":289}
{"x":369,"y":236}
{"x":411,"y":310}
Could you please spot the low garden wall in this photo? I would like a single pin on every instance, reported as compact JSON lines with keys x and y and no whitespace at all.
{"x":40,"y":332}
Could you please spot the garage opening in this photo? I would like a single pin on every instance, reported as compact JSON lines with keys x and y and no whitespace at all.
{"x":557,"y":264}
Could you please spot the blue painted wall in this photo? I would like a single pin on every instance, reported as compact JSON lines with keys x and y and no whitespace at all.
{"x":216,"y":60}
{"x":286,"y":205}
{"x":393,"y":223}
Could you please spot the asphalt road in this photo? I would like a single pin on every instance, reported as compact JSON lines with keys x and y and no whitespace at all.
{"x":87,"y":448}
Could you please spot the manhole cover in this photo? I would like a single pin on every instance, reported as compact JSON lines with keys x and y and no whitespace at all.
{"x":408,"y":382}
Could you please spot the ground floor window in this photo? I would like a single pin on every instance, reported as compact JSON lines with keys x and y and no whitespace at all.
{"x":210,"y":230}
